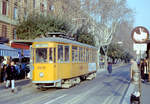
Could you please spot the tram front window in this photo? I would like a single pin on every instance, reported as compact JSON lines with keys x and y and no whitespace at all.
{"x":41,"y":55}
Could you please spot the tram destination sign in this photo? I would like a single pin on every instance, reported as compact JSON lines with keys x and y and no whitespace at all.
{"x":41,"y":45}
{"x":140,"y":34}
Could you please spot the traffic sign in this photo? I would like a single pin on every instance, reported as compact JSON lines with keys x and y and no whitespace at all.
{"x":139,"y":47}
{"x":140,"y":34}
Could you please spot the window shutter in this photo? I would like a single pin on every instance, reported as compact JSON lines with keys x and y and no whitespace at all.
{"x":4,"y":7}
{"x":4,"y":31}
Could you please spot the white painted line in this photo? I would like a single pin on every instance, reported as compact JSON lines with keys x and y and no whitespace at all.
{"x":51,"y":101}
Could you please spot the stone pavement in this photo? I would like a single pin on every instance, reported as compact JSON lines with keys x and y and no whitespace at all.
{"x":145,"y":99}
{"x":126,"y":99}
{"x":145,"y":96}
{"x":22,"y":82}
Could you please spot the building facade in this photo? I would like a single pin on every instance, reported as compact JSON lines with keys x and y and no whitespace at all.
{"x":13,"y":11}
{"x":8,"y":16}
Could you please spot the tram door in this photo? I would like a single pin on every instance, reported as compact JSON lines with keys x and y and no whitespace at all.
{"x":55,"y":64}
{"x":31,"y":62}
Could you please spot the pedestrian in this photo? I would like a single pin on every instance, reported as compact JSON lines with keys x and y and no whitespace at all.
{"x":142,"y":69}
{"x":4,"y":73}
{"x":17,"y":67}
{"x":146,"y":71}
{"x":11,"y":74}
{"x":135,"y":79}
{"x":109,"y":67}
{"x":23,"y":68}
{"x":134,"y":72}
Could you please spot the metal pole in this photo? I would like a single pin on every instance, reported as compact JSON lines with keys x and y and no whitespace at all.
{"x":140,"y":82}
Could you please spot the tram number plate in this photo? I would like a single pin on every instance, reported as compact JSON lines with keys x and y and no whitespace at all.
{"x":41,"y":67}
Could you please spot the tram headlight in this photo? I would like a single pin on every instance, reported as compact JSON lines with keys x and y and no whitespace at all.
{"x":41,"y":74}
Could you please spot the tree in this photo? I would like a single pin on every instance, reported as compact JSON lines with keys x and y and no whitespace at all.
{"x":108,"y":14}
{"x":37,"y":25}
{"x":83,"y":36}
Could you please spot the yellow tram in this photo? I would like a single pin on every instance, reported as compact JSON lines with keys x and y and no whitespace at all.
{"x":59,"y":62}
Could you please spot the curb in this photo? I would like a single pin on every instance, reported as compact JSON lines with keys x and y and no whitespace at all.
{"x":129,"y":90}
{"x":18,"y":83}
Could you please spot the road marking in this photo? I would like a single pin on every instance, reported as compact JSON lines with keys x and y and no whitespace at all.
{"x":111,"y":97}
{"x":80,"y":97}
{"x":51,"y":101}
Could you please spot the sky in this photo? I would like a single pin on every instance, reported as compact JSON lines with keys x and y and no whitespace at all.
{"x":142,"y":12}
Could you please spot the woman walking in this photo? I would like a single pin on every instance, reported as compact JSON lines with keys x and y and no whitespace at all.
{"x":11,"y":74}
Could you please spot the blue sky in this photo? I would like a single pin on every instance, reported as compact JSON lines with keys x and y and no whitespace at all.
{"x":142,"y":12}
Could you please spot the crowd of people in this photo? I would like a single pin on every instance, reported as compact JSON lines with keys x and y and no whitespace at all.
{"x":10,"y":72}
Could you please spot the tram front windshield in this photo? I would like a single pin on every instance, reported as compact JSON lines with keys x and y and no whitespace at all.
{"x":41,"y":55}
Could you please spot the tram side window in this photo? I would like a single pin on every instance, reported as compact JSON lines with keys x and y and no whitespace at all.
{"x":66,"y":53}
{"x":54,"y":55}
{"x":74,"y":54}
{"x":32,"y":55}
{"x":84,"y":55}
{"x":60,"y":53}
{"x":41,"y":55}
{"x":51,"y":55}
{"x":87,"y":53}
{"x":80,"y":54}
{"x":93,"y":56}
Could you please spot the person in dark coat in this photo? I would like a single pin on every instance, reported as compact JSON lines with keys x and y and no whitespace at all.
{"x":146,"y":70}
{"x":4,"y":74}
{"x":109,"y":68}
{"x":11,"y":75}
{"x":142,"y":69}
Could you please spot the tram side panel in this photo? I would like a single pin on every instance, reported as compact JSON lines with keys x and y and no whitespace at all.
{"x":64,"y":71}
{"x":43,"y":72}
{"x":79,"y":69}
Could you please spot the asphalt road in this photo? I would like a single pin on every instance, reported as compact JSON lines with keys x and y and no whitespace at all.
{"x":104,"y":89}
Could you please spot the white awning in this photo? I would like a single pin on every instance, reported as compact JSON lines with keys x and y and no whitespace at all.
{"x":7,"y":51}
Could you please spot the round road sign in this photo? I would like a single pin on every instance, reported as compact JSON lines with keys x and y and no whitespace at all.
{"x":140,"y":34}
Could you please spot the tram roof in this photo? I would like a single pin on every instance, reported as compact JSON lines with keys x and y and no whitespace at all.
{"x":62,"y":40}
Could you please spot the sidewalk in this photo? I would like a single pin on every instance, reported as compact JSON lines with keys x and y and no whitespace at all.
{"x":126,"y":99}
{"x":21,"y":83}
{"x":145,"y":98}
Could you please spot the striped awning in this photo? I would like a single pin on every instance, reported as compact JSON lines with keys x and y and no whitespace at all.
{"x":7,"y":51}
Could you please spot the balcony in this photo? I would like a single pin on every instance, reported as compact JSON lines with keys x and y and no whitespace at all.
{"x":8,"y":20}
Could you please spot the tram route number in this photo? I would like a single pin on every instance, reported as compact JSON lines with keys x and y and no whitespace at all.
{"x":41,"y":67}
